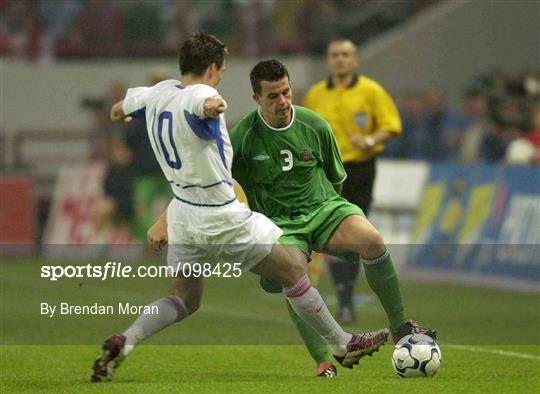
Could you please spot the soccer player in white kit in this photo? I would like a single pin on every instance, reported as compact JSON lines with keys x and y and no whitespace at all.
{"x":204,"y":221}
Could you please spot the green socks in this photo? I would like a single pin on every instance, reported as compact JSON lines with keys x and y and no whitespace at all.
{"x":316,"y":345}
{"x":382,"y":279}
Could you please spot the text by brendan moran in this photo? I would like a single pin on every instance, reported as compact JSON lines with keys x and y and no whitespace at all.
{"x":122,"y":308}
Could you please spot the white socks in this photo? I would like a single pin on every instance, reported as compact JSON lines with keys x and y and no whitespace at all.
{"x":304,"y":298}
{"x":309,"y":305}
{"x":169,"y":310}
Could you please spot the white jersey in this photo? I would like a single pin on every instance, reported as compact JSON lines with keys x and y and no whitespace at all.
{"x":193,"y":150}
{"x":205,"y":222}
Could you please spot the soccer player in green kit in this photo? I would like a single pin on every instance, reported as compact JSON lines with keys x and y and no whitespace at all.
{"x":287,"y":161}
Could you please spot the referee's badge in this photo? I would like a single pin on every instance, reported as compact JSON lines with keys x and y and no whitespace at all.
{"x":360,"y":119}
{"x":305,"y":154}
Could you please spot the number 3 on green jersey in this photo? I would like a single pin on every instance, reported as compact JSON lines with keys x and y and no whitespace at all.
{"x":291,"y":167}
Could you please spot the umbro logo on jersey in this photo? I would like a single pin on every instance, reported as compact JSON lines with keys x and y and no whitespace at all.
{"x":306,"y":155}
{"x":261,"y":157}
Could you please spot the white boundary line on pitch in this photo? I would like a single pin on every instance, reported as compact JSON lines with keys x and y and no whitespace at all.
{"x":500,"y":352}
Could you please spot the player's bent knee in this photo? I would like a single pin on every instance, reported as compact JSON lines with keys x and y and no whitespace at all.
{"x":375,"y":238}
{"x":372,"y":245}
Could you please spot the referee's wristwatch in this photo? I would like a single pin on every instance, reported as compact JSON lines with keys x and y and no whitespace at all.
{"x":369,"y":141}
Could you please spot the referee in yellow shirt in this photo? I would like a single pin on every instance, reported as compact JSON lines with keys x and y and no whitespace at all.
{"x":363,"y":117}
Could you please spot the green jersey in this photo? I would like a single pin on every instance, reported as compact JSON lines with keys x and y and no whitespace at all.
{"x":289,"y":171}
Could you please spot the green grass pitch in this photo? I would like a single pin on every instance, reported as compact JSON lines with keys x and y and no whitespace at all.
{"x":242,"y":341}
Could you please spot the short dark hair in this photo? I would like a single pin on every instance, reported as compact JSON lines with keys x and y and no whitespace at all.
{"x":267,"y":70}
{"x":199,"y":52}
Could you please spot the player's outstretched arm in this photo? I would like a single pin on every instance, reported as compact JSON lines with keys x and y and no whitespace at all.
{"x":214,"y":105}
{"x":157,"y":234}
{"x":117,"y":113}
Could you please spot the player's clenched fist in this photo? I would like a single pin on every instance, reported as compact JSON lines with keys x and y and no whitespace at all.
{"x":214,"y":105}
{"x":117,"y":113}
{"x":157,"y":234}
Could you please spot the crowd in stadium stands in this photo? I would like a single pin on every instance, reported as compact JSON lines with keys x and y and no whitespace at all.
{"x":499,"y":122}
{"x":44,"y":30}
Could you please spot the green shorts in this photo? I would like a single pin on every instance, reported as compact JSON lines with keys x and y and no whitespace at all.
{"x":312,"y":231}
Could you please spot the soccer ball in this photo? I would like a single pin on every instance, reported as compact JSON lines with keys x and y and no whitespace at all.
{"x":416,"y":355}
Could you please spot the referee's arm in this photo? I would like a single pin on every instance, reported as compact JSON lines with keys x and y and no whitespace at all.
{"x":386,"y":115}
{"x":379,"y":137}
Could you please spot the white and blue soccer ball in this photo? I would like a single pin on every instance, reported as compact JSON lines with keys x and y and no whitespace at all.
{"x":416,"y":355}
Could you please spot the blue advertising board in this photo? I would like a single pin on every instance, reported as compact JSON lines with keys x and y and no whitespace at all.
{"x":481,"y":220}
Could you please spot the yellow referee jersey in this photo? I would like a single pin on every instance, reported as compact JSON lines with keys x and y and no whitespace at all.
{"x":361,"y":108}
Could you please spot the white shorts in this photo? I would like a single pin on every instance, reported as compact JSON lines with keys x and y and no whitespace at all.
{"x":232,"y":233}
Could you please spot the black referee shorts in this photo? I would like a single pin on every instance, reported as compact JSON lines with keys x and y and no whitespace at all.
{"x":358,"y":187}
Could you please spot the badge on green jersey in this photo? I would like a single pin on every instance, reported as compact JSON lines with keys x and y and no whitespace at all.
{"x":305,"y":154}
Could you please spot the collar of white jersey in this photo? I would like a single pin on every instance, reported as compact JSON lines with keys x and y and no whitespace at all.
{"x":275,"y":128}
